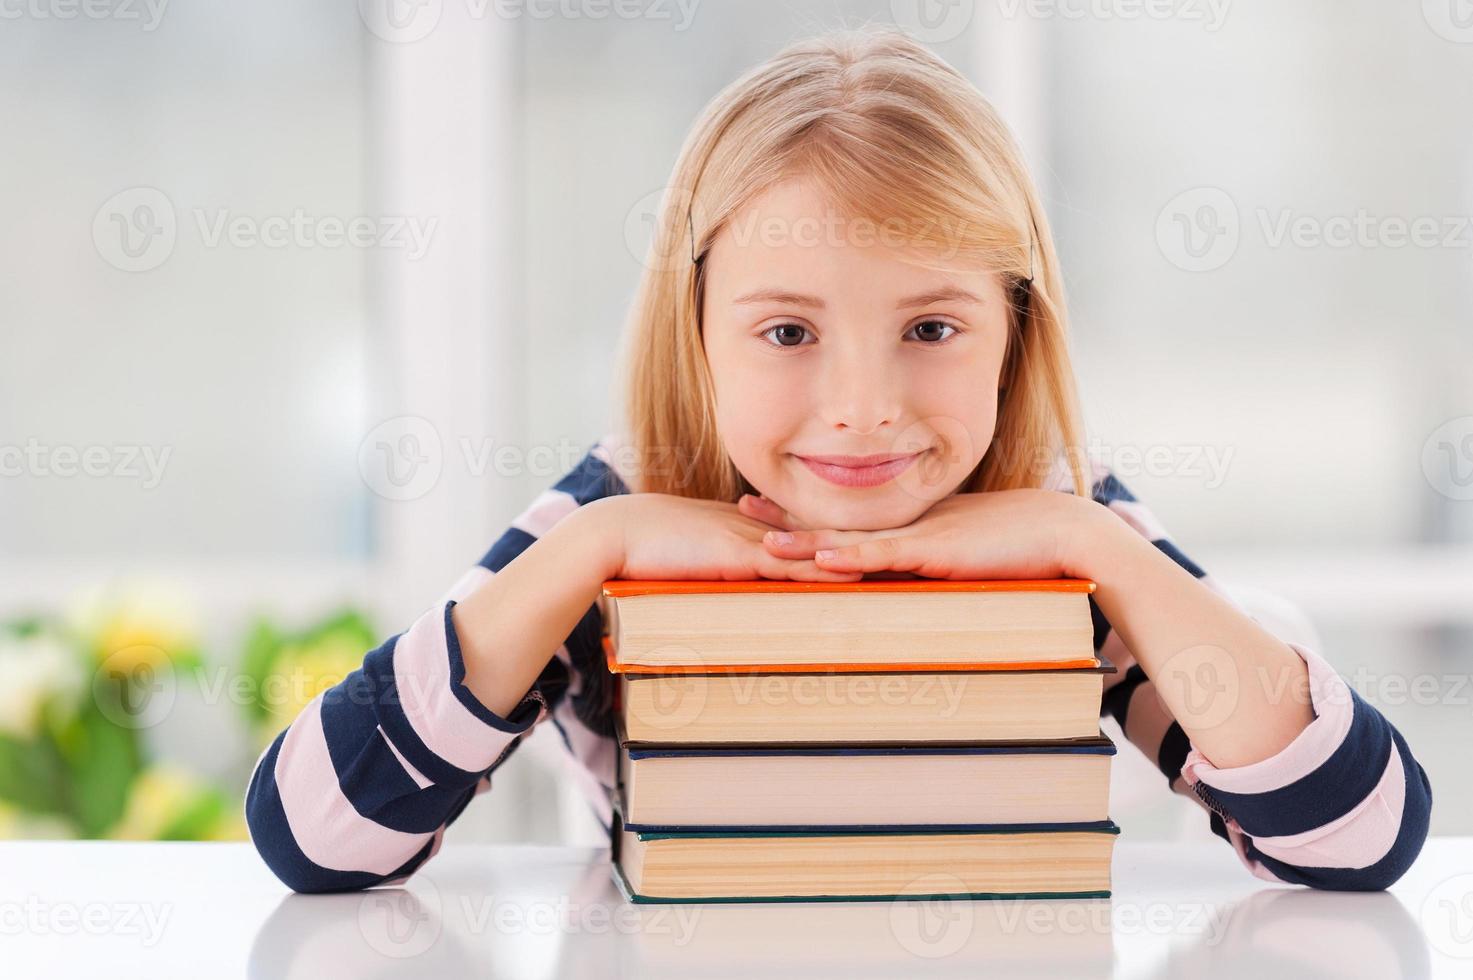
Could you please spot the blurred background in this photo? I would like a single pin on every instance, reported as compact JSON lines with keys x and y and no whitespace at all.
{"x":249,"y":249}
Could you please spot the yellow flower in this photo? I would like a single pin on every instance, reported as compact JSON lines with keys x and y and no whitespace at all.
{"x":155,"y":800}
{"x":302,"y":673}
{"x":144,"y":624}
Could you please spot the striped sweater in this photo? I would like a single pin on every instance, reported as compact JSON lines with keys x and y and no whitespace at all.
{"x":359,"y":789}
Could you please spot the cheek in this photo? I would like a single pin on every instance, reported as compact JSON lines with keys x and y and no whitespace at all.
{"x":757,"y":410}
{"x":962,"y":406}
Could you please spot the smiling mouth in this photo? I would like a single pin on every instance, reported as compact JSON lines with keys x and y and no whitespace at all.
{"x":870,"y":475}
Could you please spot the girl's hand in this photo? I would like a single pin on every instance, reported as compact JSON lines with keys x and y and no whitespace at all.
{"x":1008,"y":534}
{"x":664,"y":536}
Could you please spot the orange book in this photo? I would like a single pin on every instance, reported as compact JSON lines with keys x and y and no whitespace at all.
{"x":887,"y":625}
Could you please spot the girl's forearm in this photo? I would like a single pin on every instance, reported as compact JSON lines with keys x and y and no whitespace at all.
{"x":1239,"y":692}
{"x":510,"y":627}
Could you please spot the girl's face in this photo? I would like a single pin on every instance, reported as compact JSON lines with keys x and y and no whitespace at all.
{"x":831,"y":348}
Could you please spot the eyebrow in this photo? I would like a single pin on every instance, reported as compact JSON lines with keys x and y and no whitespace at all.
{"x":946,"y":294}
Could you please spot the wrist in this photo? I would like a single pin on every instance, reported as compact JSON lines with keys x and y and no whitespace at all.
{"x":1092,"y":539}
{"x":597,"y":528}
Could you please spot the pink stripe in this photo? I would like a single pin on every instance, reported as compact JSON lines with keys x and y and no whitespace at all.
{"x":1139,"y":517}
{"x":1330,"y":696}
{"x":447,"y":728}
{"x":325,"y":825}
{"x":413,"y":773}
{"x":550,"y":507}
{"x":473,"y":579}
{"x":1359,"y":838}
{"x":614,"y":451}
{"x":592,"y":759}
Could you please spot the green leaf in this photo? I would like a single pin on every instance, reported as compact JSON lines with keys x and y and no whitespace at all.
{"x":197,"y":819}
{"x":263,"y":643}
{"x":102,"y":760}
{"x":32,"y":775}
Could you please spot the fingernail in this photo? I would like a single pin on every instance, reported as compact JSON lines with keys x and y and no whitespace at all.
{"x":827,"y":553}
{"x":780,"y":537}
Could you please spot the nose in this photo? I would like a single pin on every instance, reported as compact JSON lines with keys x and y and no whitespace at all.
{"x":862,"y":392}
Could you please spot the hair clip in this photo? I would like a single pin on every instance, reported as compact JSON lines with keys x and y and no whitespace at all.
{"x":690,"y":223}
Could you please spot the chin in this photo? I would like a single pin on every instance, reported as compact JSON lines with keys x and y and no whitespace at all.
{"x":860,"y":515}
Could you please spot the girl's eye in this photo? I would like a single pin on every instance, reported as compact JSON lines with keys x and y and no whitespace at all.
{"x":931,"y":331}
{"x":786,"y":334}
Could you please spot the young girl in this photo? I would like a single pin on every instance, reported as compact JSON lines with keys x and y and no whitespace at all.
{"x":847,"y":357}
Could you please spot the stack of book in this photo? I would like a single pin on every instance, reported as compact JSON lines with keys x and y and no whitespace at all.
{"x":865,"y":740}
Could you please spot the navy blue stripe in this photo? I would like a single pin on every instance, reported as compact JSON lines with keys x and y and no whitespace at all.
{"x":1171,"y":551}
{"x":522,"y":716}
{"x":273,"y":839}
{"x":1117,"y":698}
{"x":590,"y":480}
{"x":1217,"y":825}
{"x":1328,"y":793}
{"x":1109,"y":488}
{"x":513,"y":542}
{"x":1173,"y":752}
{"x":1099,"y":622}
{"x":1415,"y":817}
{"x":376,"y":686}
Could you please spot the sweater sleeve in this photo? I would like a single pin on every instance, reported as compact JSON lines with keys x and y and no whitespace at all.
{"x":1344,"y":806}
{"x":359,"y":789}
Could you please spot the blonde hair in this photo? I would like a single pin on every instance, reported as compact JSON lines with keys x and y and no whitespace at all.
{"x":885,"y":127}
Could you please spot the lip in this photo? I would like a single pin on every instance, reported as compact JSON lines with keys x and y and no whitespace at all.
{"x":860,"y":471}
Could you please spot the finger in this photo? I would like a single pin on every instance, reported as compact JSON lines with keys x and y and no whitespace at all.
{"x":804,"y":571}
{"x":802,"y":544}
{"x":874,"y":555}
{"x":766,"y":511}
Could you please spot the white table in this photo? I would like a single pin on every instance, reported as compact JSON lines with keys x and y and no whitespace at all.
{"x":112,"y":910}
